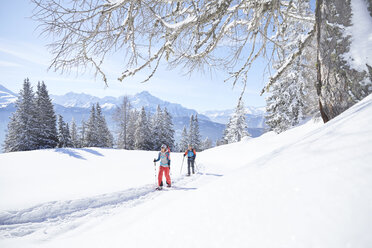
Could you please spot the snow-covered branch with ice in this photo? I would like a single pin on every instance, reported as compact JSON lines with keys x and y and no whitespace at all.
{"x":192,"y":34}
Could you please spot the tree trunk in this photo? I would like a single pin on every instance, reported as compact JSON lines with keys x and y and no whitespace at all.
{"x":339,"y":86}
{"x":318,"y":18}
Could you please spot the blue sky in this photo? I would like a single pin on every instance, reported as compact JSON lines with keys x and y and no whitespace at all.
{"x":23,"y":54}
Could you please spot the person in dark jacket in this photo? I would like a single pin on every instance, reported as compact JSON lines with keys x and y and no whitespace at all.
{"x":164,"y":157}
{"x":191,"y":155}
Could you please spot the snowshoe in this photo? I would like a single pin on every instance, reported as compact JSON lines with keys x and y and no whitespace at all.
{"x":159,"y":188}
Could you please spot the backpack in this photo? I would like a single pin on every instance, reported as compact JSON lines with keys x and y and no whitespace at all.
{"x":168,"y":156}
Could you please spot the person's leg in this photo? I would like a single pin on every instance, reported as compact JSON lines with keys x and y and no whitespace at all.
{"x":167,"y":177}
{"x":192,"y":166}
{"x":160,"y":176}
{"x":188,"y":166}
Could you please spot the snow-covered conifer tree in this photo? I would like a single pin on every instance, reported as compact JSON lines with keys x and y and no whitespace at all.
{"x":91,"y":129}
{"x":142,"y":134}
{"x":22,"y":132}
{"x":167,"y":129}
{"x":191,"y":131}
{"x":237,"y":127}
{"x":11,"y":137}
{"x":177,"y":148}
{"x":83,"y":142}
{"x":104,"y":136}
{"x":157,"y":129}
{"x":75,"y":141}
{"x":196,"y":135}
{"x":293,"y":90}
{"x":64,"y":139}
{"x":206,"y":144}
{"x":184,"y":140}
{"x":133,"y":117}
{"x":122,"y":117}
{"x":293,"y":96}
{"x":46,"y":119}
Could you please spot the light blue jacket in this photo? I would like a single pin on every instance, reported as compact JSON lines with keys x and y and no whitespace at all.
{"x":164,"y":159}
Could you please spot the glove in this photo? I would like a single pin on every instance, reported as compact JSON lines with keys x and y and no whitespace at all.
{"x":184,"y":155}
{"x":154,"y":160}
{"x":169,"y":163}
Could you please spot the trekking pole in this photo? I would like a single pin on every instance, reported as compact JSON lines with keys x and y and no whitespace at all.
{"x":155,"y":174}
{"x":182,"y":164}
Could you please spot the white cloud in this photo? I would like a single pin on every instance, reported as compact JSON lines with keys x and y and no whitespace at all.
{"x":9,"y":64}
{"x":25,"y":51}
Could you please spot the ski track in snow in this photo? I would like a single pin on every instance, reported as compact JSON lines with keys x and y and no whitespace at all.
{"x":61,"y":216}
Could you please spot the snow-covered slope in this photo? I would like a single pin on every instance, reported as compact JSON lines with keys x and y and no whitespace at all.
{"x":308,"y":187}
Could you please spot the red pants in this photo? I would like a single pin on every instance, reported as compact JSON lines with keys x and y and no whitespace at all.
{"x":160,"y":177}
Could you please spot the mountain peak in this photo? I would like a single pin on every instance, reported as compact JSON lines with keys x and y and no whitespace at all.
{"x":3,"y":89}
{"x":6,"y":97}
{"x":145,"y":92}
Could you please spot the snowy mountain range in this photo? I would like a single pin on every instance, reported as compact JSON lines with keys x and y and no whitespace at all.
{"x":144,"y":98}
{"x":77,"y":106}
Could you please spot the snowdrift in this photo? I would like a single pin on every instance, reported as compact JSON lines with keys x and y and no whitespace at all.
{"x":308,"y":187}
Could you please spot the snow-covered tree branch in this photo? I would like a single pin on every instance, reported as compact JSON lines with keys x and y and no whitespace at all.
{"x":195,"y":34}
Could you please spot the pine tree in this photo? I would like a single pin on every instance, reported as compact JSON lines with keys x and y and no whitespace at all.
{"x":237,"y":127}
{"x":184,"y":140}
{"x":22,"y":132}
{"x":142,"y":134}
{"x":133,"y":117}
{"x":67,"y":135}
{"x":104,"y":136}
{"x":167,"y":129}
{"x":83,"y":134}
{"x":157,"y":126}
{"x":191,"y":131}
{"x":196,"y":135}
{"x":221,"y":142}
{"x":194,"y":138}
{"x":293,"y":96}
{"x":122,"y":118}
{"x":75,"y":141}
{"x":206,"y":144}
{"x":91,"y":129}
{"x":177,"y":148}
{"x":293,"y":92}
{"x":46,"y":119}
{"x":12,"y":138}
{"x":64,"y":139}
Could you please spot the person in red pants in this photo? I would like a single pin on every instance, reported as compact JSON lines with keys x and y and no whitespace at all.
{"x":164,"y":157}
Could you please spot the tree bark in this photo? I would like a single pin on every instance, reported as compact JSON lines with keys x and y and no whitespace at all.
{"x":318,"y":20}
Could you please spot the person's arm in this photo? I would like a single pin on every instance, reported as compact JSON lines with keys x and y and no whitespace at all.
{"x":194,"y":154}
{"x":156,"y":160}
{"x":185,"y":153}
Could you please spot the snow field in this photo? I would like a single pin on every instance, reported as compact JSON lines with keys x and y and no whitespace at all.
{"x":308,"y":187}
{"x":30,"y":178}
